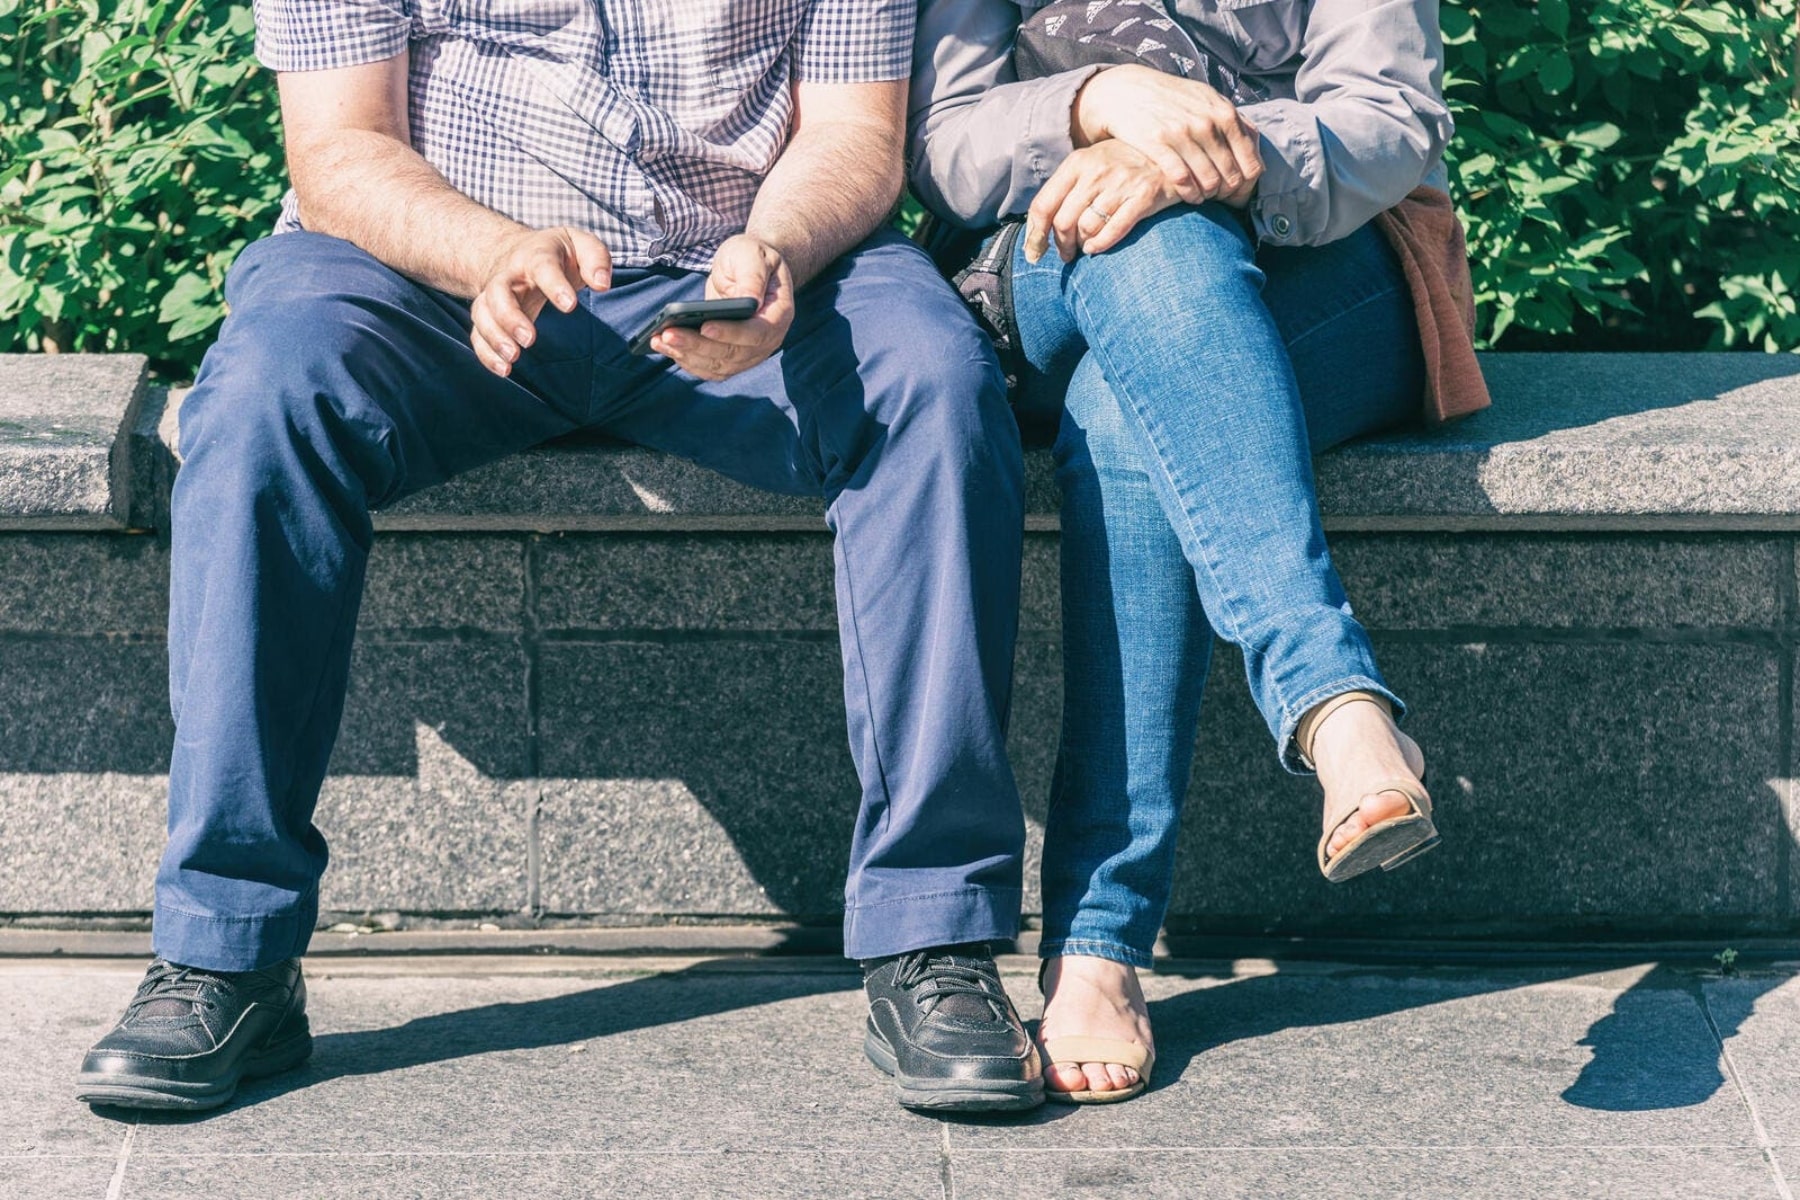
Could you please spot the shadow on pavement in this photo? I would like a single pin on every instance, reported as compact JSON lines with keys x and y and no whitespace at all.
{"x":1646,"y":1053}
{"x":1640,"y":1063}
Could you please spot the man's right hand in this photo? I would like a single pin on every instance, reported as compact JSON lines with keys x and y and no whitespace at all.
{"x":1205,"y":150}
{"x":534,"y":267}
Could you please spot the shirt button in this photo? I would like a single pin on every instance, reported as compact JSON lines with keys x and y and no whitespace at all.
{"x":1281,"y":225}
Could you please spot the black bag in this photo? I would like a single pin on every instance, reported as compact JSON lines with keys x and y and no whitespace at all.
{"x":1066,"y":36}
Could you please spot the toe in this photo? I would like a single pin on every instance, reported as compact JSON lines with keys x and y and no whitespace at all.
{"x":1383,"y":806}
{"x":1097,"y":1078}
{"x":1067,"y":1077}
{"x":1121,"y":1076}
{"x":1347,"y":832}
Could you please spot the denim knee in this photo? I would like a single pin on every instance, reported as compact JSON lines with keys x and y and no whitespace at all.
{"x":1173,"y":260}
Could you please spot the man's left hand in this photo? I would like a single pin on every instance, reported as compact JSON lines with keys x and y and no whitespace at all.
{"x":721,"y":349}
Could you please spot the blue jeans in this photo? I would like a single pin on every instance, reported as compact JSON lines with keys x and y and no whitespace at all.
{"x":338,"y":386}
{"x":1197,"y":376}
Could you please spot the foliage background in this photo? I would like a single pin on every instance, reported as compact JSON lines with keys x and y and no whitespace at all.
{"x":1627,"y":169}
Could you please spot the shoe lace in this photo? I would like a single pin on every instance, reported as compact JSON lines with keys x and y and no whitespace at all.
{"x":937,"y":976}
{"x":171,"y":983}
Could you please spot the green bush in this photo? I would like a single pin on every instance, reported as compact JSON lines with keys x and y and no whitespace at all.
{"x":1627,"y":169}
{"x":139,"y":152}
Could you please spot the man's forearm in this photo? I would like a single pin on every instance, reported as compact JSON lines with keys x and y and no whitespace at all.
{"x":829,"y":190}
{"x":379,"y":194}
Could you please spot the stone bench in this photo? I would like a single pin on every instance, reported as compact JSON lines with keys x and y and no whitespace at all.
{"x":597,"y":685}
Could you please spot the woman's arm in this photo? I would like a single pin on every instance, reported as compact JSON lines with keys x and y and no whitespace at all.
{"x":981,"y":142}
{"x":1367,"y":122}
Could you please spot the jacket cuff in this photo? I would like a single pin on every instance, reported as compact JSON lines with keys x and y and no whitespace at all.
{"x":1044,"y":139}
{"x":1286,"y":209}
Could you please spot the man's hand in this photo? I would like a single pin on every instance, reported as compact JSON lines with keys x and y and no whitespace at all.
{"x":743,"y":266}
{"x":537,"y":266}
{"x":1094,"y":199}
{"x":1194,"y":135}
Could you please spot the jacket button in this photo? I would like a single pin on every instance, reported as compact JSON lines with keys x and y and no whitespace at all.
{"x":1281,"y":225}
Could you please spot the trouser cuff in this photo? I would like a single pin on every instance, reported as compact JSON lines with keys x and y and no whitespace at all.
{"x":908,"y":923}
{"x":1290,"y":719}
{"x":215,"y":943}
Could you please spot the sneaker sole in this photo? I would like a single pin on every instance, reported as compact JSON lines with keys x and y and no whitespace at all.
{"x":951,"y":1095}
{"x":143,"y":1091}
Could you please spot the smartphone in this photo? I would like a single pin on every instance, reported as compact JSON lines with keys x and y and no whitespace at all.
{"x":691,"y":314}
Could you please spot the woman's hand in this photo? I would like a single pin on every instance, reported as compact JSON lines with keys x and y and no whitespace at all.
{"x":1194,"y":135}
{"x":1094,"y":199}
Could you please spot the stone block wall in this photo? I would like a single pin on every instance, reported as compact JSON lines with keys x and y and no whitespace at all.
{"x":623,"y":704}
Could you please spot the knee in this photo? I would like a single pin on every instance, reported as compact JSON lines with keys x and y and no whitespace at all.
{"x":1175,"y":258}
{"x":275,"y":409}
{"x":950,"y":395}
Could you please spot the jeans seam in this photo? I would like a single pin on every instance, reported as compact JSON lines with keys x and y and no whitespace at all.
{"x":1339,"y":315}
{"x":1162,"y":467}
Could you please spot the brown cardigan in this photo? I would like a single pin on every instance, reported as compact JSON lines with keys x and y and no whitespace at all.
{"x":1428,"y":239}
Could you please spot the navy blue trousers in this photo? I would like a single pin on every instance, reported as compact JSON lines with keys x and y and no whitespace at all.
{"x":338,"y":386}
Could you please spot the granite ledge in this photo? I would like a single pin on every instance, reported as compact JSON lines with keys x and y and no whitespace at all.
{"x":65,"y":460}
{"x":1574,"y":441}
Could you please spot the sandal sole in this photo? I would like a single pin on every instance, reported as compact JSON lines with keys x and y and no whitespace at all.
{"x":1091,"y":1097}
{"x":1389,"y":845}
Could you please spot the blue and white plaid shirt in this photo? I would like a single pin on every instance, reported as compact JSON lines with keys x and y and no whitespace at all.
{"x":651,"y":123}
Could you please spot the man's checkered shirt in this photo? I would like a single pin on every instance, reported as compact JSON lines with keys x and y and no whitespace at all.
{"x":650,"y":123}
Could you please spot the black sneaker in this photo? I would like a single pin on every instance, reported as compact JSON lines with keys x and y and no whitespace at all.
{"x":190,"y":1036}
{"x":942,"y":1026}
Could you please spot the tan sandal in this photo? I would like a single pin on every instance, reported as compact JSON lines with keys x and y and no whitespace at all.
{"x":1073,"y":1051}
{"x":1386,"y":844}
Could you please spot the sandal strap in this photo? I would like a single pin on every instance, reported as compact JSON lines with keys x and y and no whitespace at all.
{"x":1415,"y":795}
{"x":1315,"y":716}
{"x":1064,"y":1051}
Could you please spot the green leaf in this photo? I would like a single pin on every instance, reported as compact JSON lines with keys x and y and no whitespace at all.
{"x":1556,"y":73}
{"x":1709,"y":20}
{"x":1603,"y":135}
{"x":189,"y":307}
{"x":1555,"y":15}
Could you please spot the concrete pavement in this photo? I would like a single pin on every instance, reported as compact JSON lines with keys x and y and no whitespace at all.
{"x":551,"y":1077}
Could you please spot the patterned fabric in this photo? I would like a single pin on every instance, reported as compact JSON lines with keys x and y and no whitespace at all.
{"x":1070,"y":34}
{"x":1354,"y":117}
{"x":650,"y":122}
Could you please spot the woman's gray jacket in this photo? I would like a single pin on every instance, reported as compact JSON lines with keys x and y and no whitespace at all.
{"x":1354,"y":121}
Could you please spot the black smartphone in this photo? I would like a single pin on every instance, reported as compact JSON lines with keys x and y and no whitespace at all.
{"x":691,"y":314}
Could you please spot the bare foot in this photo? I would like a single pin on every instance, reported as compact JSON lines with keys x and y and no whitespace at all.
{"x":1092,"y":997}
{"x":1354,"y":746}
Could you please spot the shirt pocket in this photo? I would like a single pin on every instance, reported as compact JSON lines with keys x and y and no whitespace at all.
{"x":728,"y":47}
